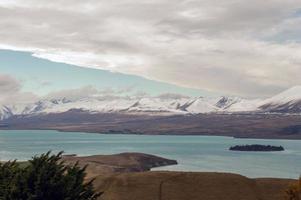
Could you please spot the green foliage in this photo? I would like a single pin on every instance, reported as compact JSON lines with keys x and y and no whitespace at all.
{"x":44,"y":178}
{"x":8,"y":171}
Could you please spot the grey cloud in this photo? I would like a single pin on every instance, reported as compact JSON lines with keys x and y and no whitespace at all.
{"x":10,"y":91}
{"x":237,"y":47}
{"x":8,"y":85}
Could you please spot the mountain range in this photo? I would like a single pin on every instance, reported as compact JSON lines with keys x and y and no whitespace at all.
{"x":287,"y":102}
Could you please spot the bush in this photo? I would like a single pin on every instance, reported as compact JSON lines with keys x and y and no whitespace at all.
{"x":294,"y":191}
{"x":45,"y":178}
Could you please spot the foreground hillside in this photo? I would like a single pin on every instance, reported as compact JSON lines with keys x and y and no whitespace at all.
{"x":126,"y":176}
{"x":189,"y":186}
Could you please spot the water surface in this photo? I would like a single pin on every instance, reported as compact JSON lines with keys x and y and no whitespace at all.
{"x":194,"y":153}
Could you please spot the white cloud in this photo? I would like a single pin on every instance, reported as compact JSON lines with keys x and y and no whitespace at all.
{"x":90,"y":92}
{"x":235,"y":46}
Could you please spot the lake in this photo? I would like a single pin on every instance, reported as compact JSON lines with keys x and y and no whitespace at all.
{"x":194,"y":153}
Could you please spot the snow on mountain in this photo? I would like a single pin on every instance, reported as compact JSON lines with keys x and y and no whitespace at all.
{"x":5,"y":112}
{"x":226,"y":102}
{"x":146,"y":105}
{"x":87,"y":104}
{"x":38,"y":107}
{"x":157,"y":105}
{"x":200,"y":105}
{"x":104,"y":104}
{"x":291,"y":95}
{"x":243,"y":105}
{"x":138,"y":105}
{"x":221,"y":104}
{"x":288,"y":101}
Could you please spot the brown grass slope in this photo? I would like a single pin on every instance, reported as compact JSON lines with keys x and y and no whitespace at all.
{"x":126,"y":176}
{"x":189,"y":186}
{"x":123,"y":162}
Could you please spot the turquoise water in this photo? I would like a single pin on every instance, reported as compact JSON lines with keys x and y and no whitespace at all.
{"x":194,"y":153}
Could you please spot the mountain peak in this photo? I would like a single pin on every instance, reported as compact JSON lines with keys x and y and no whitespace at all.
{"x":291,"y":94}
{"x":288,"y":101}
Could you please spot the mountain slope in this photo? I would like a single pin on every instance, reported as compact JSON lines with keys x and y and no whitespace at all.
{"x":5,"y":112}
{"x":288,"y":101}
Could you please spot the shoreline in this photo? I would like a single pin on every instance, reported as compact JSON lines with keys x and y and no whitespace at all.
{"x":127,"y":164}
{"x":136,"y":162}
{"x":147,"y":134}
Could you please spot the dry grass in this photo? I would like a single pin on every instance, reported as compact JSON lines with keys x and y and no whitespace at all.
{"x":189,"y":186}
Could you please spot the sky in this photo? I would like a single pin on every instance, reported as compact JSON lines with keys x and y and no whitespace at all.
{"x":234,"y":47}
{"x":25,"y":75}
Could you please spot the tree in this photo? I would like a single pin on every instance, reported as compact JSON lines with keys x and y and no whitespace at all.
{"x":8,"y":171}
{"x":45,"y":178}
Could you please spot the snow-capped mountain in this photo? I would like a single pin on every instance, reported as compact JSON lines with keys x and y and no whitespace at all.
{"x":150,"y":105}
{"x":286,"y":102}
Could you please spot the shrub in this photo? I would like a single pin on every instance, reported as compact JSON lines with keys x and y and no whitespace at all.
{"x":45,"y":177}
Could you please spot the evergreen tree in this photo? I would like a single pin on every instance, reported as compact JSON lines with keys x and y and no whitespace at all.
{"x":45,"y":178}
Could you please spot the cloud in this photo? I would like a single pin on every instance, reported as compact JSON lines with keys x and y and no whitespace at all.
{"x":73,"y":94}
{"x":173,"y":96}
{"x":90,"y":92}
{"x":10,"y":90}
{"x":8,"y":85}
{"x":238,"y":47}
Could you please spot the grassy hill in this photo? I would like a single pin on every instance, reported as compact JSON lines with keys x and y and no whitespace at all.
{"x":189,"y":186}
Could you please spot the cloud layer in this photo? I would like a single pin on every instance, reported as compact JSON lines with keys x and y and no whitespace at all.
{"x":235,"y":46}
{"x":13,"y":95}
